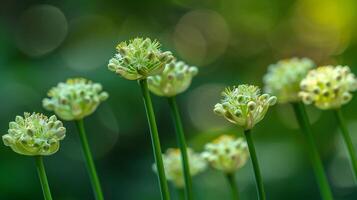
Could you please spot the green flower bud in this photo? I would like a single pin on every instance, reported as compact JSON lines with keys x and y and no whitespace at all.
{"x":175,"y":79}
{"x":244,"y":105}
{"x":173,"y":165}
{"x":328,"y":87}
{"x":139,"y":58}
{"x":283,"y":78}
{"x":34,"y":135}
{"x":74,"y":99}
{"x":226,"y":153}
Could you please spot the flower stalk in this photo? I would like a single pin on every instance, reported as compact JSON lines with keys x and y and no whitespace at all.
{"x":347,"y":139}
{"x":233,"y":185}
{"x":165,"y":195}
{"x":182,"y":145}
{"x":89,"y":161}
{"x":304,"y":123}
{"x":254,"y":159}
{"x":43,"y":178}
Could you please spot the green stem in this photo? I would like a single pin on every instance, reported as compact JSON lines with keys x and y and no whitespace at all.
{"x":304,"y":123}
{"x":165,"y":195}
{"x":347,"y":138}
{"x":233,"y":185}
{"x":182,"y":144}
{"x":181,"y":193}
{"x":43,"y":178}
{"x":89,"y":161}
{"x":253,"y":156}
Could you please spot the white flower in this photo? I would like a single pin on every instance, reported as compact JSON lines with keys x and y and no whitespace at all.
{"x":328,"y":87}
{"x":226,"y":153}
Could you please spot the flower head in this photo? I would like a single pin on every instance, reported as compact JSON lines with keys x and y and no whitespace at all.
{"x":226,"y":153}
{"x":139,"y":58}
{"x":34,"y":134}
{"x":244,"y":105}
{"x":283,"y":78}
{"x":74,"y":99}
{"x":175,"y":79}
{"x":173,"y":165}
{"x":328,"y":87}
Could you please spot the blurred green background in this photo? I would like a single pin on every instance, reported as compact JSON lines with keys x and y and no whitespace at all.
{"x":231,"y":41}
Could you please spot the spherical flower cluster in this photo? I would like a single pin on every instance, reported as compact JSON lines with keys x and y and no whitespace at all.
{"x":175,"y":79}
{"x":226,"y":153}
{"x":283,"y":78}
{"x":139,"y":58}
{"x":244,"y":105}
{"x":34,"y":134}
{"x":328,"y":87}
{"x":75,"y":99}
{"x":173,"y":165}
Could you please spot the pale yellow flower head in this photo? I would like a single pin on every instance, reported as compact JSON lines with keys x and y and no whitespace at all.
{"x":244,"y":105}
{"x":328,"y":87}
{"x":139,"y":58}
{"x":283,"y":78}
{"x":226,"y":153}
{"x":173,"y":165}
{"x":35,"y":134}
{"x":75,"y":99}
{"x":175,"y":79}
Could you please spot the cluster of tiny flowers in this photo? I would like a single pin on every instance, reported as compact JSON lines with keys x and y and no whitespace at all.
{"x":175,"y":79}
{"x":34,"y":134}
{"x":283,"y":78}
{"x":75,"y":99}
{"x":173,"y":165}
{"x":226,"y":153}
{"x":328,"y":87}
{"x":244,"y":105}
{"x":139,"y":58}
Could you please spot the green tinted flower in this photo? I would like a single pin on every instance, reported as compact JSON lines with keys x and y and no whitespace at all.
{"x":34,"y":134}
{"x":328,"y":87}
{"x":175,"y":79}
{"x":226,"y":153}
{"x":173,"y":165}
{"x":244,"y":105}
{"x":139,"y":58}
{"x":75,"y":99}
{"x":283,"y":78}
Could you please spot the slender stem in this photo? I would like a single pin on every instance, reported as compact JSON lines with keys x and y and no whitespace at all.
{"x":43,"y":177}
{"x":165,"y":195}
{"x":253,"y":156}
{"x":181,"y":193}
{"x":182,"y":144}
{"x":89,"y":161}
{"x":233,"y":185}
{"x":347,"y":138}
{"x":304,"y":123}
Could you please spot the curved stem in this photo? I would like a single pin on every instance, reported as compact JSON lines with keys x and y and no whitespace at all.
{"x":304,"y":123}
{"x":253,"y":156}
{"x":182,"y":144}
{"x":165,"y":195}
{"x":89,"y":161}
{"x":347,"y":138}
{"x":43,"y":178}
{"x":233,"y":186}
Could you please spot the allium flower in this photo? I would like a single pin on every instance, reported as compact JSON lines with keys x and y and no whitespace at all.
{"x":34,"y":134}
{"x":173,"y":165}
{"x":244,"y":105}
{"x":226,"y":153}
{"x":328,"y":87}
{"x":139,"y":58}
{"x":283,"y":78}
{"x":175,"y":79}
{"x":75,"y":99}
